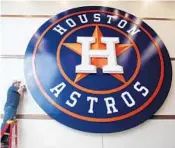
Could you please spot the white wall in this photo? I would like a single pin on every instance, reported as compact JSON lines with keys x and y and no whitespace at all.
{"x":15,"y":35}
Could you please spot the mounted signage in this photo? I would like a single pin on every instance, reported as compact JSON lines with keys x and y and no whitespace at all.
{"x":98,"y":69}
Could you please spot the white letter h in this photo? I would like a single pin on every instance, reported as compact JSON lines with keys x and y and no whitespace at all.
{"x":88,"y":53}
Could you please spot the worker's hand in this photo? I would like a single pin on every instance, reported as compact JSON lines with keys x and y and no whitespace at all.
{"x":21,"y":90}
{"x":23,"y":87}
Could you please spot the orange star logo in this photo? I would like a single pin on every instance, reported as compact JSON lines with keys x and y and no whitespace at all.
{"x":98,"y":62}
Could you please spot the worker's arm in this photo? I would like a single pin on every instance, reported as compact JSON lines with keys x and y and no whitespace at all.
{"x":21,"y":91}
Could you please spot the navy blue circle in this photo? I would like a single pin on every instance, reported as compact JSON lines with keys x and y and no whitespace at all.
{"x":42,"y":72}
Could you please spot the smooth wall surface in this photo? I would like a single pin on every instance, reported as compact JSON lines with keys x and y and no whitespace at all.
{"x":20,"y":20}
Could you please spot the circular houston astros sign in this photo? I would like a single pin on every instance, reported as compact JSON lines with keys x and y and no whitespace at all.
{"x":97,"y":69}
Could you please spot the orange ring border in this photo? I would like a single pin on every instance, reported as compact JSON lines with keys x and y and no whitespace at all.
{"x":97,"y":91}
{"x":99,"y":119}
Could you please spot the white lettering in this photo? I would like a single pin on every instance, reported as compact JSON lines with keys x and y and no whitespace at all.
{"x":133,"y":30}
{"x":110,"y":105}
{"x":96,"y":17}
{"x":92,"y":100}
{"x":58,"y":89}
{"x":109,"y":53}
{"x":122,"y":24}
{"x":109,"y":19}
{"x":59,"y":29}
{"x":71,"y":22}
{"x":139,"y":88}
{"x":83,"y":18}
{"x":73,"y":99}
{"x":128,"y":99}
